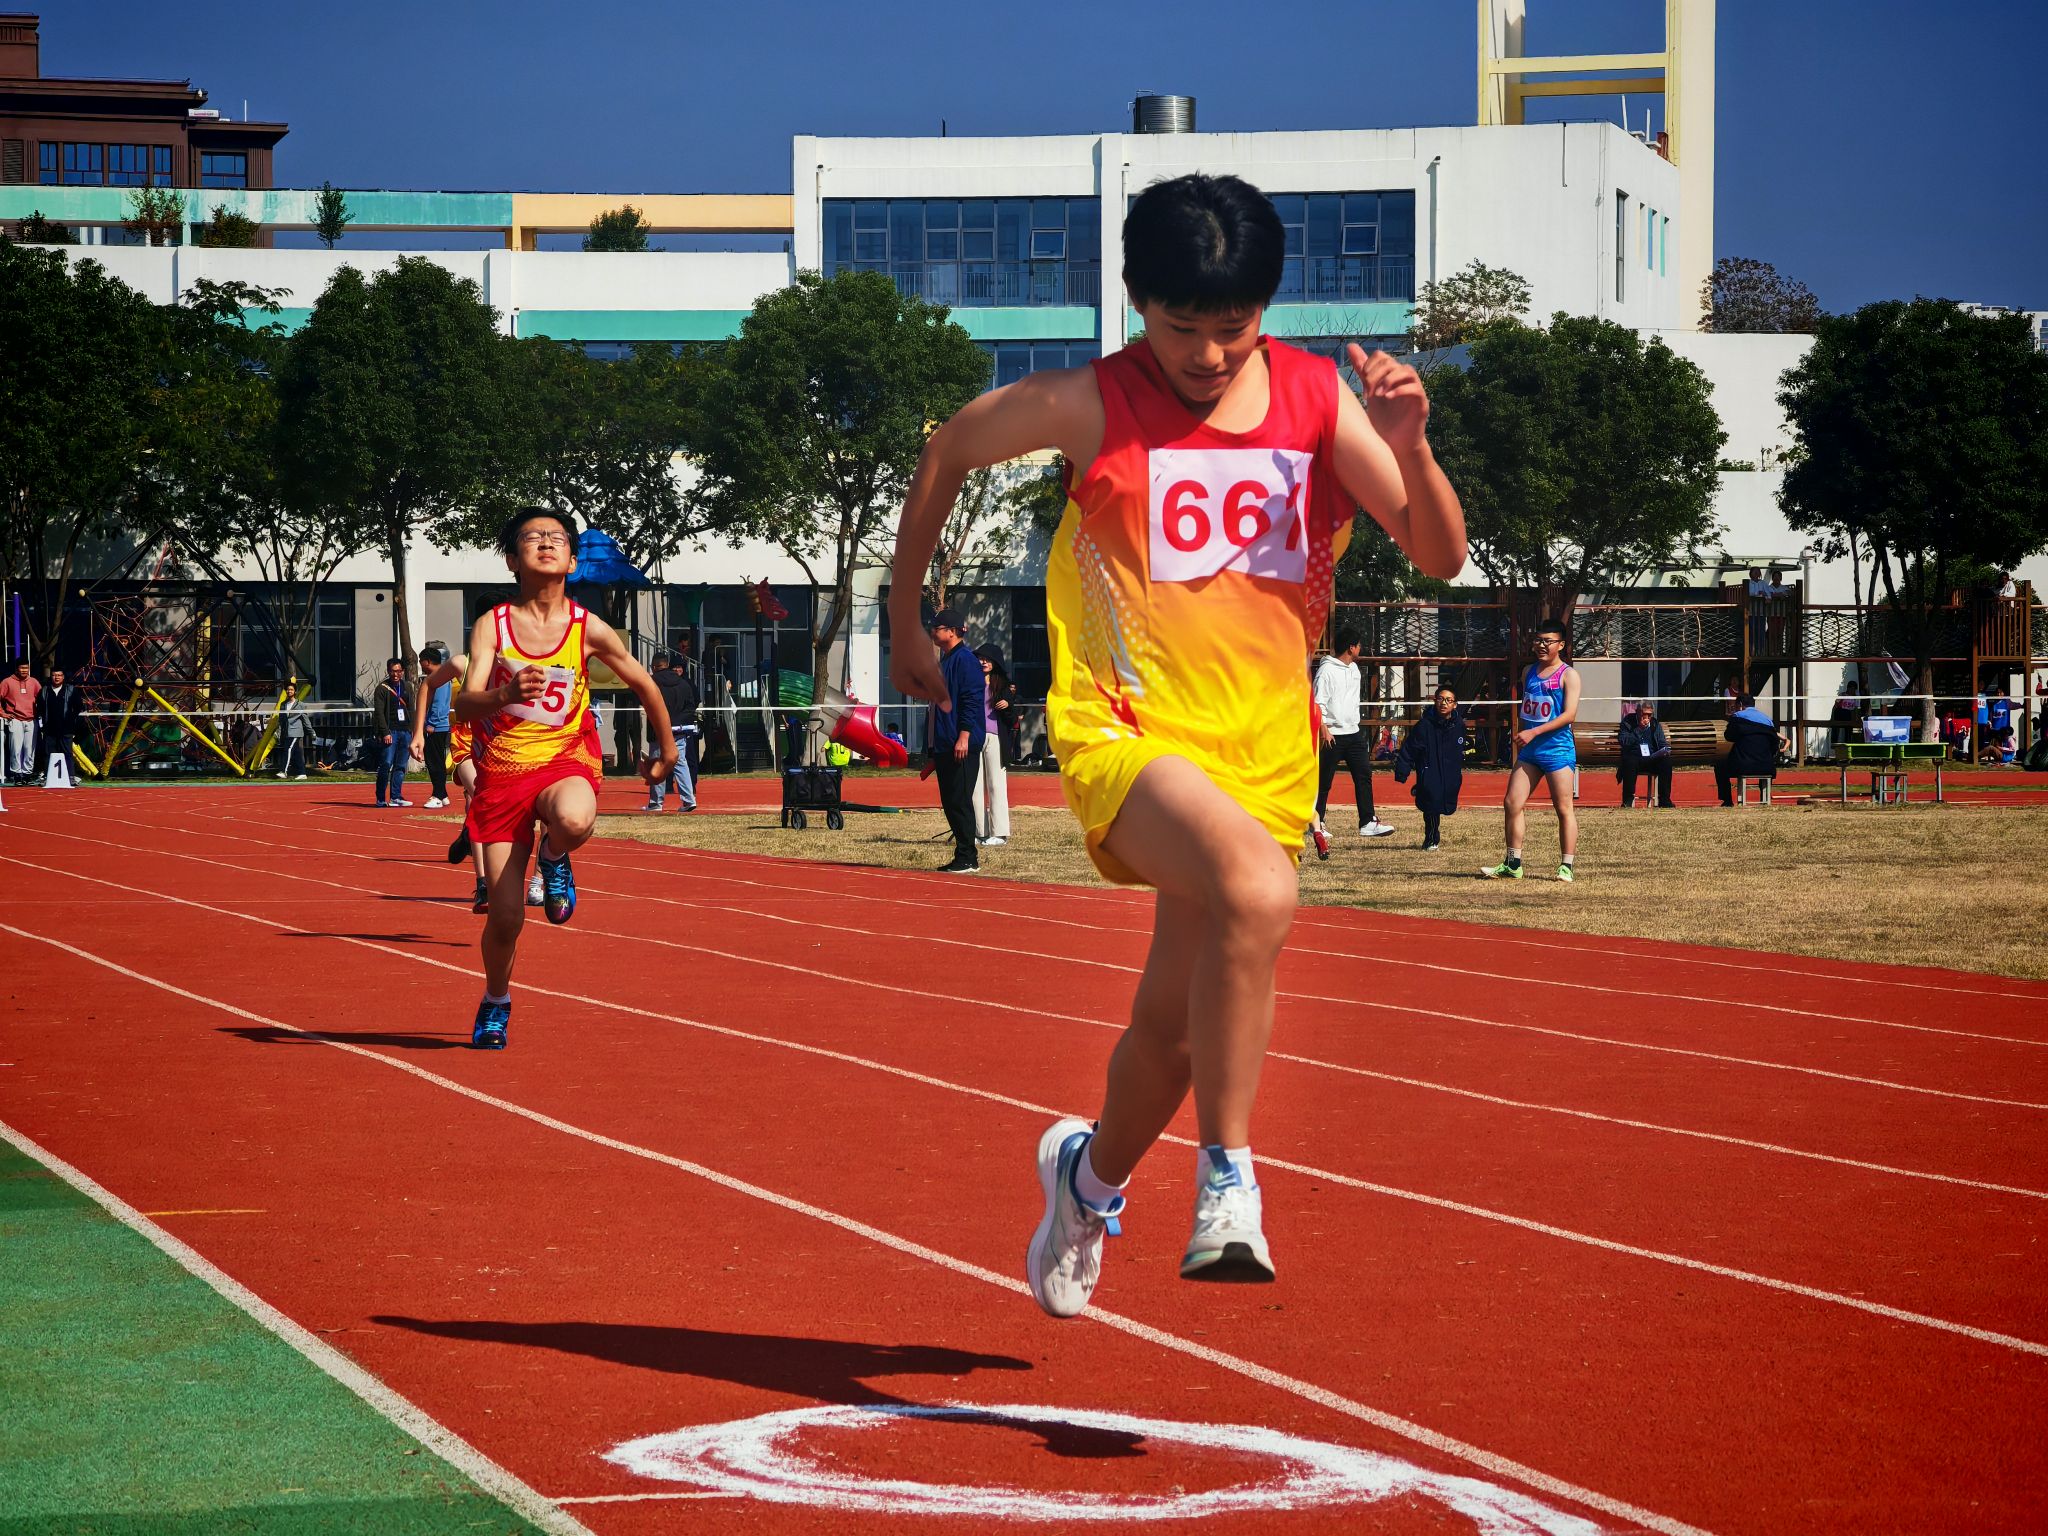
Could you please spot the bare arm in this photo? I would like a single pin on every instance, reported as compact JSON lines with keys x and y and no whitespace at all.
{"x":447,"y":671}
{"x":478,"y":699}
{"x":1059,"y":408}
{"x":1384,"y":464}
{"x":603,"y":642}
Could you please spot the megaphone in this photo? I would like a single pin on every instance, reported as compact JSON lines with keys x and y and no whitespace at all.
{"x":854,"y":726}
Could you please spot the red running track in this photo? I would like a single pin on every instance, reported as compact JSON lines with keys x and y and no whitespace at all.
{"x":1667,"y":1238}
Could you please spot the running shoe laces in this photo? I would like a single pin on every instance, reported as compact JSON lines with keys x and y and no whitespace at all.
{"x":558,"y":889}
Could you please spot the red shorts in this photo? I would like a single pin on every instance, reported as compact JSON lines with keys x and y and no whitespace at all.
{"x":501,"y":809}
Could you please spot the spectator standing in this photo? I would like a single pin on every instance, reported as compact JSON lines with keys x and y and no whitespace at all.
{"x":431,"y":717}
{"x":1754,"y":742}
{"x":1435,"y":753}
{"x":1003,"y":702}
{"x":958,"y":728}
{"x":993,"y":796}
{"x":18,"y":693}
{"x":60,"y":716}
{"x":1645,"y":750}
{"x":291,"y":733}
{"x":389,"y":714}
{"x":680,"y":695}
{"x":1338,"y":706}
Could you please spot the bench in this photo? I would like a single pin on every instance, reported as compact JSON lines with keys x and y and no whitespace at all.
{"x":1890,"y":765}
{"x":1692,"y":741}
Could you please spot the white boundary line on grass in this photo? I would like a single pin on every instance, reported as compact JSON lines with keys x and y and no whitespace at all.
{"x":1313,"y":1062}
{"x":414,"y":1421}
{"x":1308,"y":1170}
{"x":1250,"y":1370}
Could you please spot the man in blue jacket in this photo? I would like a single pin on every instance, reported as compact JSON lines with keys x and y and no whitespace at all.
{"x":957,"y":731}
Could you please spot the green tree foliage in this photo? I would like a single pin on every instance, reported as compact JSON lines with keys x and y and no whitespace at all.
{"x":1583,"y":455}
{"x":1922,"y":434}
{"x":1747,"y":295}
{"x":622,"y":229}
{"x":229,"y":230}
{"x":991,"y":520}
{"x":331,"y":215}
{"x":156,"y":214}
{"x":214,"y":471}
{"x":83,"y":357}
{"x":1460,"y":308}
{"x":392,"y":410}
{"x":37,"y":230}
{"x":815,"y":418}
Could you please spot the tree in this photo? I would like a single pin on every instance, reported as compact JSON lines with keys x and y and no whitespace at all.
{"x":37,"y":230}
{"x":815,"y":417}
{"x":990,"y":521}
{"x":622,"y":229}
{"x":83,"y":355}
{"x":331,"y":215}
{"x":392,"y":410}
{"x":1584,"y":456}
{"x":155,"y":213}
{"x":215,"y":467}
{"x":229,"y":230}
{"x":1461,"y":307}
{"x":1747,"y":295}
{"x":1920,"y":437}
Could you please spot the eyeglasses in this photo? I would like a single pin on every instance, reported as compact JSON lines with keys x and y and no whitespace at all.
{"x":543,"y":540}
{"x":1545,"y":640}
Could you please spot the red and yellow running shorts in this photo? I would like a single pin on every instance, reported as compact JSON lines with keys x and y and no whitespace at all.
{"x":502,"y":808}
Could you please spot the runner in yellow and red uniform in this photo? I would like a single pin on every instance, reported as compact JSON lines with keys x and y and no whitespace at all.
{"x":526,"y":699}
{"x":1210,"y":470}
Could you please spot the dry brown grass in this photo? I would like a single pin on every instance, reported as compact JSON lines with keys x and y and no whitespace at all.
{"x":1922,"y":885}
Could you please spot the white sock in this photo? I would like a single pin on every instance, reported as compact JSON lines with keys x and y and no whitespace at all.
{"x":1092,"y":1190}
{"x":1566,"y":859}
{"x":1514,"y":855}
{"x":490,"y":997}
{"x":1239,"y":1158}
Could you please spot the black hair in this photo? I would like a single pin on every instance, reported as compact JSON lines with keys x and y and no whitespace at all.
{"x":1552,"y":627}
{"x":19,"y":661}
{"x":508,"y":535}
{"x":1745,"y":701}
{"x":1211,"y":244}
{"x":434,"y":651}
{"x":1445,"y":688}
{"x":1345,"y":639}
{"x":396,"y":661}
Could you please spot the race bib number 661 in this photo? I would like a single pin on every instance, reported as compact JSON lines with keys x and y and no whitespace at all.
{"x":1229,"y":509}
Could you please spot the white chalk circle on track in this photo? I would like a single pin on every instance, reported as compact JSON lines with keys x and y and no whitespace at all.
{"x":758,"y":1458}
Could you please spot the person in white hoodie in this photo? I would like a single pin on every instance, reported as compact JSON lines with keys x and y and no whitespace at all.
{"x":1337,"y":705}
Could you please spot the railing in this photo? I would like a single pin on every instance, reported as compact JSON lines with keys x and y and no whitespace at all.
{"x":1347,"y":280}
{"x":998,"y":284}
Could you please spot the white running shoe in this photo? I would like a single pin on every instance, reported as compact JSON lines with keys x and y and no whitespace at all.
{"x":652,"y":805}
{"x":1065,"y":1259}
{"x":991,"y":842}
{"x":435,"y":802}
{"x":1227,"y":1243}
{"x":297,"y":778}
{"x":536,"y":893}
{"x":406,"y":803}
{"x":1375,"y":828}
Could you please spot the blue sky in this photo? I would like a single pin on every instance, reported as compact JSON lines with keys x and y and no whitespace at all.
{"x":1871,"y":148}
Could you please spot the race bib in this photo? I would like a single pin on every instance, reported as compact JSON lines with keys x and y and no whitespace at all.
{"x":553,"y":704}
{"x":1229,"y":509}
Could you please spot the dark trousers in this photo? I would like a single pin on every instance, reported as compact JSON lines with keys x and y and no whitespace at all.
{"x":957,"y":777}
{"x":1725,"y":777}
{"x":1354,"y":753}
{"x":437,"y":763}
{"x":1432,"y":827}
{"x":1656,"y":769}
{"x":294,"y":759}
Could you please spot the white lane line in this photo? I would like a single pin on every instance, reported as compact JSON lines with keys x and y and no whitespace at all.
{"x":1308,"y":1170}
{"x":635,"y":1498}
{"x":1250,"y":1370}
{"x":414,"y":1421}
{"x":1435,"y":1015}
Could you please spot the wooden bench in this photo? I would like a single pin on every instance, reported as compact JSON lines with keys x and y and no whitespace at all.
{"x":1890,"y":765}
{"x":1692,"y":741}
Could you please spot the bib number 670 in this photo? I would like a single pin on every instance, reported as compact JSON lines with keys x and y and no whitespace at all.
{"x":1217,"y":509}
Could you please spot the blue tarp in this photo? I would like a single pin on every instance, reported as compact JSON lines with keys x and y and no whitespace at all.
{"x":599,"y":563}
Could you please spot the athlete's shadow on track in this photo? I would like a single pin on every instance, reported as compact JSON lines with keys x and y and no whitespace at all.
{"x":265,"y":1035}
{"x":833,"y":1371}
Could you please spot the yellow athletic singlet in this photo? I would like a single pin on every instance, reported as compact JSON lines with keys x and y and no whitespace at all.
{"x":1189,"y":581}
{"x":550,"y":729}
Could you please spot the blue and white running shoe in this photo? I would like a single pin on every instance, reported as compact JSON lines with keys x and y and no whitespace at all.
{"x":558,"y":889}
{"x":1065,"y":1259}
{"x":492,"y":1021}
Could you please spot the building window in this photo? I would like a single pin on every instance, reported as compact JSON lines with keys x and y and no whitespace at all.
{"x":1620,"y":246}
{"x":160,"y":174}
{"x":128,"y":165}
{"x":1347,"y":247}
{"x":223,"y":170}
{"x":972,"y":252}
{"x":46,"y":164}
{"x":1014,"y":359}
{"x":1030,"y":650}
{"x":84,"y":165}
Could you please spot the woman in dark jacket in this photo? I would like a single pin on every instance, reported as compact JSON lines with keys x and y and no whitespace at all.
{"x":1002,"y":700}
{"x":1435,"y":753}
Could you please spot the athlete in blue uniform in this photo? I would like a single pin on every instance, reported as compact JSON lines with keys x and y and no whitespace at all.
{"x":1544,"y":752}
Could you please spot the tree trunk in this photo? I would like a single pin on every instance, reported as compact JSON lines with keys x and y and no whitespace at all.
{"x":395,"y":539}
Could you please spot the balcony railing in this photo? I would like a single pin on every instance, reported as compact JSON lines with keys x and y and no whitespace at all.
{"x":998,"y":284}
{"x":1348,"y":280}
